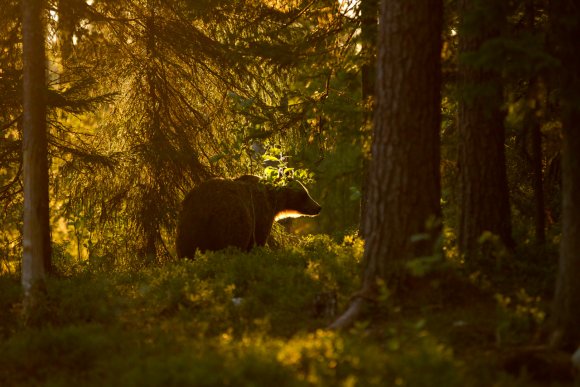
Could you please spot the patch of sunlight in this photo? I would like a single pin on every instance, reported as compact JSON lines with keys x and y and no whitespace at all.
{"x":8,"y":267}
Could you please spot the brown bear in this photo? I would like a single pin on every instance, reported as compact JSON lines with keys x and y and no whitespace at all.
{"x":239,"y":213}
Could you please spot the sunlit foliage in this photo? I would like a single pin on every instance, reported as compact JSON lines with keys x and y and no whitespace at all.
{"x":149,"y":98}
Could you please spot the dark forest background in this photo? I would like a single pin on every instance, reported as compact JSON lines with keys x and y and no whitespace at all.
{"x":438,"y":132}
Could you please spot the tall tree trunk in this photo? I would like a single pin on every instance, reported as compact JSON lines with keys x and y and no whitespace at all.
{"x":484,"y":187}
{"x":150,"y":210}
{"x":567,"y":298}
{"x":36,"y":258}
{"x":404,"y":179}
{"x":369,"y":18}
{"x":533,"y":125}
{"x":566,"y":313}
{"x":536,"y":163}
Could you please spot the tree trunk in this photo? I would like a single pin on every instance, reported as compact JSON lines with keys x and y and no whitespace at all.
{"x":533,"y":125}
{"x":566,"y":312}
{"x":567,"y":298}
{"x":150,"y":210}
{"x":36,"y":258}
{"x":484,"y":187}
{"x":536,"y":165}
{"x":404,"y":179}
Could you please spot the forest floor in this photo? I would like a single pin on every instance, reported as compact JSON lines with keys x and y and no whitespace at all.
{"x":259,"y":319}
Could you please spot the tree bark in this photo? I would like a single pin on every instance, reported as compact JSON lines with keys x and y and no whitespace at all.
{"x":566,"y":309}
{"x":567,"y":297}
{"x":536,"y":165}
{"x":533,"y":125}
{"x":149,"y":221}
{"x":404,"y":179}
{"x":482,"y":162}
{"x":36,"y":258}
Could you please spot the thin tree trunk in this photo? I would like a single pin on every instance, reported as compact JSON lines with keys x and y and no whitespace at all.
{"x":567,"y":297}
{"x":482,"y":162}
{"x":566,"y":312}
{"x":149,"y":214}
{"x":404,"y":179}
{"x":533,"y":123}
{"x":36,"y":258}
{"x":536,"y":161}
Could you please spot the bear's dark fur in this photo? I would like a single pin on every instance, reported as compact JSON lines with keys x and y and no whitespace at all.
{"x":239,"y":213}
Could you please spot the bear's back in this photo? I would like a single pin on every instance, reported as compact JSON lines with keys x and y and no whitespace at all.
{"x":215,"y":215}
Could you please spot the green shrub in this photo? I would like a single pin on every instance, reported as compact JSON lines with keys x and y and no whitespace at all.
{"x":230,"y":318}
{"x":61,"y":356}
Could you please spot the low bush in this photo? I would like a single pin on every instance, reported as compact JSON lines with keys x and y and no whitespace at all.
{"x":229,"y":318}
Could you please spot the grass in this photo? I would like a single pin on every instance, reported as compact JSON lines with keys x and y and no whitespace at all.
{"x":258,"y":319}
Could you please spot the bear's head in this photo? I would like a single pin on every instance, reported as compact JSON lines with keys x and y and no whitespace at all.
{"x":296,"y":202}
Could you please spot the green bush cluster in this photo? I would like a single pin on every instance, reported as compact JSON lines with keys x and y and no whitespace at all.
{"x":226,"y":318}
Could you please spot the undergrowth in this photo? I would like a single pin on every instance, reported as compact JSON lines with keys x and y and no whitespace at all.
{"x":255,"y":319}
